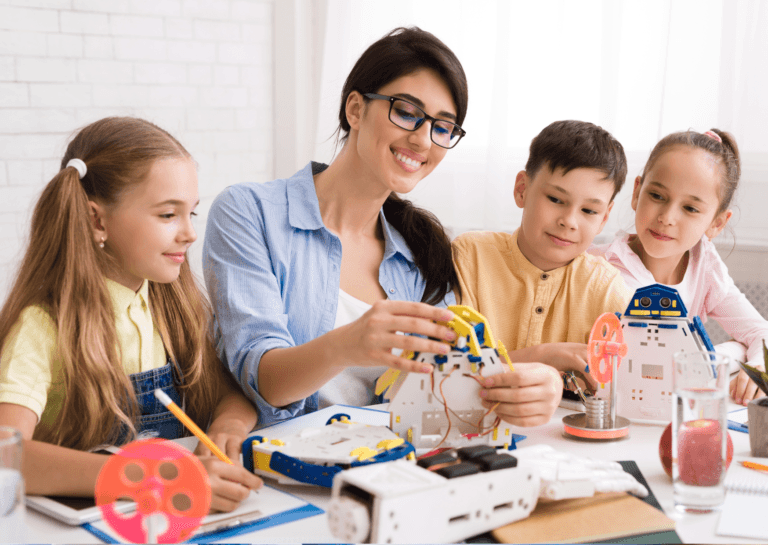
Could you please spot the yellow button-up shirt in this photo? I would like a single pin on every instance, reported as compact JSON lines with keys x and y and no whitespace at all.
{"x":526,"y":306}
{"x":30,"y":370}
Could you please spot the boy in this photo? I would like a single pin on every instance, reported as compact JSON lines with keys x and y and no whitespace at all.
{"x":538,"y":287}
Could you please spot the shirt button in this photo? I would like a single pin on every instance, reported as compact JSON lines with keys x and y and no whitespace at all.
{"x":544,"y":276}
{"x":391,"y":290}
{"x":539,"y":310}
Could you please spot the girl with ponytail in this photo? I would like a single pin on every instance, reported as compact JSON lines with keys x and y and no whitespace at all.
{"x":104,"y":309}
{"x":681,"y":201}
{"x":313,"y":277}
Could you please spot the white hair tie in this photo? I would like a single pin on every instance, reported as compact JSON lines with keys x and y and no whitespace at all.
{"x":79,"y":166}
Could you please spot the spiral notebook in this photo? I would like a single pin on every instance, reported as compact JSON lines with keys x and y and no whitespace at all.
{"x":746,"y":500}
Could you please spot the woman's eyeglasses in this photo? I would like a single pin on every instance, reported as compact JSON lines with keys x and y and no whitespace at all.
{"x":410,"y":117}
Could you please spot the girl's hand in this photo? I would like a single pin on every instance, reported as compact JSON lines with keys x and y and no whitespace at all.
{"x":526,"y":397}
{"x":743,"y":390}
{"x":230,"y":484}
{"x":369,"y":340}
{"x":567,"y":357}
{"x":228,"y":435}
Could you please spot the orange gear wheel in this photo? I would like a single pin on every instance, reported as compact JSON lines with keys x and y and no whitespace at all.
{"x":162,"y":478}
{"x":605,"y":341}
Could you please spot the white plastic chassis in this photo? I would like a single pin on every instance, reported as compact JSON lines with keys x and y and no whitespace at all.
{"x":400,"y":502}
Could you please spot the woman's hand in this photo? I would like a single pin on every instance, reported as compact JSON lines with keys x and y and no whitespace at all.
{"x":230,"y":484}
{"x":528,"y":396}
{"x":369,"y":340}
{"x":743,"y":389}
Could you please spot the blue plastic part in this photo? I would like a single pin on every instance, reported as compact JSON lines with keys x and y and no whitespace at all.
{"x":586,"y":369}
{"x":480,"y":333}
{"x":474,"y":359}
{"x":638,"y":324}
{"x":247,"y":450}
{"x":513,"y":442}
{"x":656,"y":292}
{"x":699,"y":327}
{"x":464,"y":348}
{"x":302,"y":471}
{"x":337,"y":417}
{"x":441,"y":359}
{"x":667,"y":326}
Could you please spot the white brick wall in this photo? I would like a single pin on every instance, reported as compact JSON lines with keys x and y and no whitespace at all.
{"x":201,"y":69}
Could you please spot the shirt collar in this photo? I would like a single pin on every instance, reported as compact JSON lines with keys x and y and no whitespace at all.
{"x":304,"y":211}
{"x":526,"y":266}
{"x":123,"y":297}
{"x":394,"y":241}
{"x":303,"y":206}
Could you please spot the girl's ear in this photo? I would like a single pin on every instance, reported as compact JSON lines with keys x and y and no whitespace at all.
{"x":636,"y":192}
{"x":522,"y":181}
{"x":354,"y":109}
{"x":718,"y":224}
{"x":97,"y":222}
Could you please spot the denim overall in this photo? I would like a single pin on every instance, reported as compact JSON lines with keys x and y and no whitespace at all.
{"x":155,"y":419}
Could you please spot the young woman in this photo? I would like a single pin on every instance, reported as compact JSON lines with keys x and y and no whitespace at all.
{"x":313,"y":277}
{"x":105,"y":309}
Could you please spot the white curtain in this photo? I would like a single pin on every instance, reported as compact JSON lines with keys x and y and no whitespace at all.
{"x":638,"y":69}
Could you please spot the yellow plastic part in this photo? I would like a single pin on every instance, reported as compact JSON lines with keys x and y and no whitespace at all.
{"x":495,"y":433}
{"x":411,"y":456}
{"x":363,"y":453}
{"x":386,"y":380}
{"x":640,"y":312}
{"x":397,"y":419}
{"x":409,"y":435}
{"x":390,"y":443}
{"x":261,"y":461}
{"x":506,"y":446}
{"x":473,"y":367}
{"x":501,"y":349}
{"x":506,"y":432}
{"x":277,"y":442}
{"x":670,"y":313}
{"x":264,"y":440}
{"x":464,"y":329}
{"x":471,"y":315}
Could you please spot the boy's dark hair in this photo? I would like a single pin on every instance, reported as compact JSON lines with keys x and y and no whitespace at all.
{"x":569,"y":145}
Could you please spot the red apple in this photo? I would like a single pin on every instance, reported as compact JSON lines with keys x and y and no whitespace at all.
{"x":698,"y":451}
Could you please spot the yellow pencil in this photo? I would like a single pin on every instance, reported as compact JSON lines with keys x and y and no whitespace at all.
{"x":753,"y":465}
{"x":200,"y":434}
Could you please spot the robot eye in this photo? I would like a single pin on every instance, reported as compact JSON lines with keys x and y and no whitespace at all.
{"x":645,"y":301}
{"x":665,"y":302}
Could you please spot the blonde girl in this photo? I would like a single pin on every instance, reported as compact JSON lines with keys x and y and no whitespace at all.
{"x":681,"y":202}
{"x":104,"y":309}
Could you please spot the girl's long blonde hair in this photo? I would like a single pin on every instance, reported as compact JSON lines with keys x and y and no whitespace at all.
{"x":64,"y":270}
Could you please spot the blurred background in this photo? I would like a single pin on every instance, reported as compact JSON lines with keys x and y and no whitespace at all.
{"x":252,"y":88}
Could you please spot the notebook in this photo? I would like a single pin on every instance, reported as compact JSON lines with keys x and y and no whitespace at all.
{"x":746,"y":501}
{"x":610,"y":516}
{"x":264,"y":508}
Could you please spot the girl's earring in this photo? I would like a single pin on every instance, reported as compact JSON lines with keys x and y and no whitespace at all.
{"x":101,"y":244}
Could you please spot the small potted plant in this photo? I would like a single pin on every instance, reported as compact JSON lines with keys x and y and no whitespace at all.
{"x":757,"y":410}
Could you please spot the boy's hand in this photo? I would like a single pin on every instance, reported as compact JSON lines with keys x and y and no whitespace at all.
{"x":743,"y":389}
{"x":230,"y":484}
{"x":567,"y":357}
{"x":526,"y":397}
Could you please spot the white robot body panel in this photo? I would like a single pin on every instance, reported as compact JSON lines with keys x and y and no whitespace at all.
{"x":417,"y":410}
{"x":406,"y":503}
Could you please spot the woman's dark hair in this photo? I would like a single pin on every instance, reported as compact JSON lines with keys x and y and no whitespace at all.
{"x":399,"y":53}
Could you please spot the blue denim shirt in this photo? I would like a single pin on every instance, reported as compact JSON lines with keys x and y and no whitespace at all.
{"x":272,"y":270}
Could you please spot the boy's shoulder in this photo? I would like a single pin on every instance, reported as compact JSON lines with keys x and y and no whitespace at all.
{"x":483,"y":241}
{"x":593,"y":268}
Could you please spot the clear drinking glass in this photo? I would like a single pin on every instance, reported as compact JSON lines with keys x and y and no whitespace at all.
{"x":699,"y":430}
{"x":12,"y":509}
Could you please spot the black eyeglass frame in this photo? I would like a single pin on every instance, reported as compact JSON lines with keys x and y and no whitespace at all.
{"x":427,"y":117}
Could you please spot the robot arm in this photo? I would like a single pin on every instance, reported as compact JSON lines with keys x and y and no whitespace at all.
{"x":565,"y":475}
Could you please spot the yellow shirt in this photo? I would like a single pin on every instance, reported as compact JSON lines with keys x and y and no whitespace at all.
{"x":526,"y":306}
{"x":30,"y":371}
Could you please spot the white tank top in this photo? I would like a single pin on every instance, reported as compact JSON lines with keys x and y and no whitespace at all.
{"x":354,"y":385}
